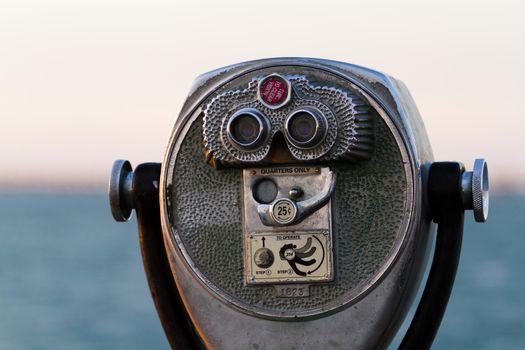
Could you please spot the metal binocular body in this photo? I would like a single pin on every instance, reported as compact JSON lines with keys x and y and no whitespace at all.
{"x":295,"y":208}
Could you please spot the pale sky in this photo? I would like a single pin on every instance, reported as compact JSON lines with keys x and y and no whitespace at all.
{"x":83,"y":83}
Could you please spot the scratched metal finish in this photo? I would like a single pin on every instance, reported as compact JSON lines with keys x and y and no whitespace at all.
{"x":349,"y":126}
{"x":368,"y":210}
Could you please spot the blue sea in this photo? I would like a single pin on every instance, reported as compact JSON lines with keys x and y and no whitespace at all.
{"x":72,"y":278}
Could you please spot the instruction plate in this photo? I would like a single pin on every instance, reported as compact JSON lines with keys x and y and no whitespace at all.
{"x":286,"y":257}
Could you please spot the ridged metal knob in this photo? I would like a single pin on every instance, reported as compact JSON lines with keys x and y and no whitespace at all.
{"x":475,"y":190}
{"x":121,"y":190}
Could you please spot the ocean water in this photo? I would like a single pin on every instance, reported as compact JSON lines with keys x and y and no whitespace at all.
{"x":72,"y":278}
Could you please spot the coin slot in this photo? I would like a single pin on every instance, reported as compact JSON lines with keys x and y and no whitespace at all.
{"x":265,"y":191}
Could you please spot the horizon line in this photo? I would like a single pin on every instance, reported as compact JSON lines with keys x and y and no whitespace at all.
{"x":98,"y":187}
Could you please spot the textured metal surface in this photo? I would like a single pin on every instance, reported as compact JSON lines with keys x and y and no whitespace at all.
{"x":369,"y":207}
{"x":349,"y":131}
{"x":387,"y":299}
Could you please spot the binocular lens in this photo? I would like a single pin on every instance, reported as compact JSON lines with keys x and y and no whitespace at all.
{"x":248,"y":128}
{"x":306,"y":128}
{"x":302,"y":127}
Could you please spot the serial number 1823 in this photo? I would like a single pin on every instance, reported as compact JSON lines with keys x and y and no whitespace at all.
{"x":294,"y":291}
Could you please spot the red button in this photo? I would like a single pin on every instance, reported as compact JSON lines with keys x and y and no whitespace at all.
{"x":273,"y":90}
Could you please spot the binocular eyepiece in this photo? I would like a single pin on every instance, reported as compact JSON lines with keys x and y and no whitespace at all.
{"x":248,"y":129}
{"x":295,"y":208}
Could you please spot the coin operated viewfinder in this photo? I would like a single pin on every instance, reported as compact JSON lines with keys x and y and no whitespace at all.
{"x":295,"y":208}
